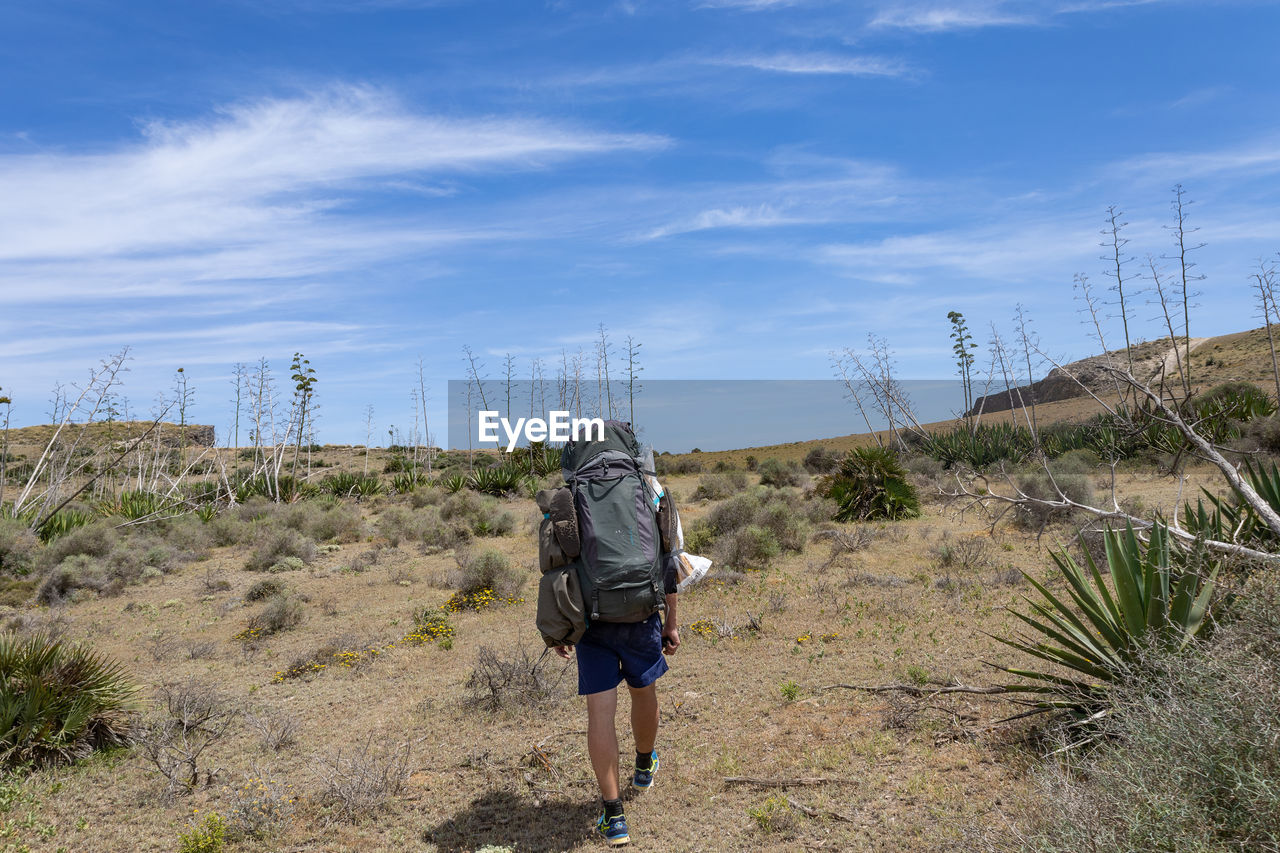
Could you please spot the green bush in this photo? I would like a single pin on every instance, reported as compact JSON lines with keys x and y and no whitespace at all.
{"x":1238,"y":401}
{"x":789,"y":528}
{"x":275,"y":545}
{"x":59,"y":701}
{"x":870,"y":484}
{"x":207,"y":836}
{"x":779,"y":474}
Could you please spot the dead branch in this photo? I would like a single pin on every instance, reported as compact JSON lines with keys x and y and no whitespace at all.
{"x":788,"y":783}
{"x":916,"y":690}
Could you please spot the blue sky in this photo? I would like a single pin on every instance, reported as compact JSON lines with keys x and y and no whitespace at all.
{"x":742,"y":185}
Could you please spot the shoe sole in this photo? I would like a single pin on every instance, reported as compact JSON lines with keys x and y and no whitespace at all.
{"x":618,"y":842}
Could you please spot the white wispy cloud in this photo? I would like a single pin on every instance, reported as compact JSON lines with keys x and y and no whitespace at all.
{"x":818,"y":63}
{"x":760,"y":216}
{"x":751,"y":5}
{"x":941,"y":18}
{"x":1258,"y":157}
{"x":256,"y":171}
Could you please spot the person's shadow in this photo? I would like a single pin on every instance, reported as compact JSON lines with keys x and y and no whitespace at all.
{"x":503,"y":819}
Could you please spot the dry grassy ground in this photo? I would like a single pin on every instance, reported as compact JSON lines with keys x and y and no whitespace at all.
{"x":900,"y":777}
{"x":745,"y":695}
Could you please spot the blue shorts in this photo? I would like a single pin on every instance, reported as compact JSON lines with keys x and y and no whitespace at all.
{"x":611,"y":651}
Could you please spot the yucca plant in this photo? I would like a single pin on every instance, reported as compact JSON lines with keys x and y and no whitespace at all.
{"x":1155,"y":595}
{"x":870,"y":484}
{"x":59,"y":701}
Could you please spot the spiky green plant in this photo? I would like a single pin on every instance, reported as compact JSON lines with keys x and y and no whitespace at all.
{"x":870,"y":484}
{"x":61,"y":523}
{"x":140,"y":504}
{"x":367,"y":487}
{"x":59,"y":701}
{"x":1154,"y":595}
{"x":497,"y":481}
{"x":1233,"y":520}
{"x":453,"y":483}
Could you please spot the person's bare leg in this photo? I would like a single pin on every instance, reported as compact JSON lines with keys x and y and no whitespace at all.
{"x":644,"y":717}
{"x":602,"y":740}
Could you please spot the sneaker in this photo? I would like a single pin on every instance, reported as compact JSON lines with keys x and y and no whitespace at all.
{"x":643,"y":779}
{"x":614,"y":830}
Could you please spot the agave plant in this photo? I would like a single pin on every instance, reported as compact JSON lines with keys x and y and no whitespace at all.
{"x":453,"y":483}
{"x":366,"y":487}
{"x":1155,"y":597}
{"x":59,"y":701}
{"x":60,"y":523}
{"x":870,"y":484}
{"x":341,"y":484}
{"x":406,"y":482}
{"x":1233,"y":520}
{"x":140,"y":504}
{"x":498,"y":481}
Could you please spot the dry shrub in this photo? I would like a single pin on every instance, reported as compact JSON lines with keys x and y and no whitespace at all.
{"x":264,"y":589}
{"x":718,"y":486}
{"x":19,"y":547}
{"x":281,"y":613}
{"x":425,"y":496}
{"x":820,"y":460}
{"x":779,"y":474}
{"x":324,"y":521}
{"x":470,"y":513}
{"x":488,"y":570}
{"x":193,"y":716}
{"x":92,"y":540}
{"x":229,"y":529}
{"x":276,"y":730}
{"x":275,"y":545}
{"x":512,"y":679}
{"x":358,"y":783}
{"x":79,"y":571}
{"x":1188,"y":761}
{"x":962,"y":553}
{"x":1035,"y":514}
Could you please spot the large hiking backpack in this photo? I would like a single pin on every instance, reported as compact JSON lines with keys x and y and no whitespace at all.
{"x":620,"y":562}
